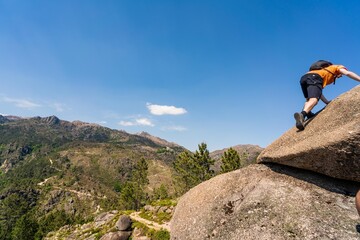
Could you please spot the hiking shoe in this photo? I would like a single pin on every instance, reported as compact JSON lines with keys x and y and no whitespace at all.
{"x":299,"y":121}
{"x":310,"y":115}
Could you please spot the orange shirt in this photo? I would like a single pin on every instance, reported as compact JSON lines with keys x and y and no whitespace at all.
{"x":329,"y":73}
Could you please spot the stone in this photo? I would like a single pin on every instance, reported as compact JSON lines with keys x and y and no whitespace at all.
{"x":124,"y":235}
{"x":120,"y":235}
{"x":162,"y":209}
{"x":138,"y":234}
{"x":103,"y":218}
{"x":124,"y":223}
{"x":330,"y":143}
{"x":148,"y":208}
{"x":109,"y":236}
{"x":267,"y":201}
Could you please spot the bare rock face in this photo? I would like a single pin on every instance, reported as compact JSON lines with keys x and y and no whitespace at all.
{"x":52,"y":120}
{"x":3,"y":119}
{"x":330,"y":143}
{"x":268,"y":202}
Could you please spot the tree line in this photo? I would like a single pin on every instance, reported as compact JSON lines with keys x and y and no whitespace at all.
{"x":190,"y":169}
{"x":194,"y":168}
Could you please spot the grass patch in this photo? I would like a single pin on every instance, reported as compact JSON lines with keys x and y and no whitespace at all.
{"x":160,"y":235}
{"x":153,"y":234}
{"x":164,"y":203}
{"x":160,"y":217}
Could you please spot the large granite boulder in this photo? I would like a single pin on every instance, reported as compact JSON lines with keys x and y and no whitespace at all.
{"x":268,"y":202}
{"x":330,"y":143}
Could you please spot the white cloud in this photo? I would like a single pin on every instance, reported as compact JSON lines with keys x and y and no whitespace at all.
{"x":174,"y":128}
{"x":144,"y":122}
{"x":126,"y":123}
{"x":137,"y":122}
{"x":58,"y":107}
{"x":21,"y":103}
{"x":165,"y":110}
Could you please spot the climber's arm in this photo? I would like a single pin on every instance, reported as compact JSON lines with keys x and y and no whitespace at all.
{"x":349,"y":74}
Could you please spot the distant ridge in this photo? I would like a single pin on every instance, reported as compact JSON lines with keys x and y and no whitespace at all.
{"x":253,"y":152}
{"x":157,"y":139}
{"x":52,"y":131}
{"x":8,"y":118}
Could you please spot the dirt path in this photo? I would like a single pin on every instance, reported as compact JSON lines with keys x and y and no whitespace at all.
{"x":150,"y":224}
{"x":42,"y":183}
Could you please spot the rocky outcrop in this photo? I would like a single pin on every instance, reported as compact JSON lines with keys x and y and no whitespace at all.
{"x":159,"y":209}
{"x":330,"y":143}
{"x":52,"y":120}
{"x":281,"y":198}
{"x":267,"y":202}
{"x":11,"y":154}
{"x":3,"y":119}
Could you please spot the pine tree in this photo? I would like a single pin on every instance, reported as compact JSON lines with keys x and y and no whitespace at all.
{"x":127,"y":196}
{"x":185,"y":168}
{"x":193,"y":168}
{"x":140,"y":173}
{"x":133,"y":195}
{"x":204,"y":162}
{"x":161,"y":193}
{"x":231,"y":160}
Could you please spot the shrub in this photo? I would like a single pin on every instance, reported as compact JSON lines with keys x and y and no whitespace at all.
{"x":160,"y":235}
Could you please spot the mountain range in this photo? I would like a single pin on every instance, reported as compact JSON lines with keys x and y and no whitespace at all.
{"x":48,"y":165}
{"x":51,"y":167}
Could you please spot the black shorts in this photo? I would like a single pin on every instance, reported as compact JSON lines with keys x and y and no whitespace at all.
{"x":311,"y":85}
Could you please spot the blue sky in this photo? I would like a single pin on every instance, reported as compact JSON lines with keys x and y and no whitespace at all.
{"x":220,"y":72}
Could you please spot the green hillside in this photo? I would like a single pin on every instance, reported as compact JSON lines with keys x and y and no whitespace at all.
{"x":54,"y":172}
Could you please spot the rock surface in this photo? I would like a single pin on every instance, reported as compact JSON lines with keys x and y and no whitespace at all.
{"x":268,"y":202}
{"x":124,"y":223}
{"x":330,"y":143}
{"x":357,"y":201}
{"x":116,"y":236}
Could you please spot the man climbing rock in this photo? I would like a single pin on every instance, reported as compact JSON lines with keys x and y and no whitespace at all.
{"x":321,"y":74}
